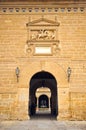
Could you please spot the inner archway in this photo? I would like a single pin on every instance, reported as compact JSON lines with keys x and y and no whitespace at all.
{"x":43,"y":80}
{"x":43,"y":101}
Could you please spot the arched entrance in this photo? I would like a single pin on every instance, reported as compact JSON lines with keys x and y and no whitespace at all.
{"x":43,"y":101}
{"x":43,"y":80}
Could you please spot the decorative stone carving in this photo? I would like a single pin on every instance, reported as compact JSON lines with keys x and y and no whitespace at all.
{"x":56,"y":48}
{"x":43,"y":34}
{"x":43,"y":22}
{"x":28,"y":48}
{"x":34,"y":36}
{"x":28,"y":10}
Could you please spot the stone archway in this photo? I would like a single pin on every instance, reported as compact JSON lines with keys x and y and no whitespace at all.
{"x":43,"y":79}
{"x":43,"y":93}
{"x":43,"y":101}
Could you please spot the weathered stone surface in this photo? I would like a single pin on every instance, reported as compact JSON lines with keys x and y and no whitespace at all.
{"x":43,"y":125}
{"x":68,"y":50}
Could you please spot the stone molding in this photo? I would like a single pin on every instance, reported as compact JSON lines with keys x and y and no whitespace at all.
{"x":43,"y":7}
{"x":30,"y":10}
{"x":43,"y":1}
{"x":42,"y":33}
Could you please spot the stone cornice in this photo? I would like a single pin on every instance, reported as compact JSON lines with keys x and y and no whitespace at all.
{"x":59,"y":3}
{"x":43,"y":7}
{"x":42,"y":1}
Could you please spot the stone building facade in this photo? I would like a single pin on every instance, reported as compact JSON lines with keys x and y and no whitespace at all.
{"x":43,"y":58}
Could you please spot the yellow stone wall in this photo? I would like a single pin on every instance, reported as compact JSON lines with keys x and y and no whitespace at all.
{"x":14,"y":96}
{"x":78,"y":106}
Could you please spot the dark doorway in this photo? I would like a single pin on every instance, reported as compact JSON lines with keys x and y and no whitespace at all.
{"x":43,"y":101}
{"x":38,"y":80}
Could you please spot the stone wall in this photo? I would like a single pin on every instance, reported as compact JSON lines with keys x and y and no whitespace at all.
{"x":78,"y":107}
{"x":71,"y":34}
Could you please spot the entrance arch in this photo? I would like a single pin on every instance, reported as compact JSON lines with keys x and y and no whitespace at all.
{"x":43,"y":79}
{"x":43,"y":101}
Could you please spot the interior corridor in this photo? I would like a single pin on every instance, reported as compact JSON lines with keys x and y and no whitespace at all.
{"x":43,"y":101}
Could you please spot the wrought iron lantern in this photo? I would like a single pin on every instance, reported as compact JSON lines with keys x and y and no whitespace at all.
{"x":69,"y":73}
{"x":17,"y":71}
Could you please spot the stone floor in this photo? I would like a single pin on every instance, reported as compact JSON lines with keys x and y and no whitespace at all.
{"x":43,"y":125}
{"x":42,"y":122}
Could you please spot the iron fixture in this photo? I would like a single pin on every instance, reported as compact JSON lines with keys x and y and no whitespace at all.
{"x":69,"y":73}
{"x":17,"y":71}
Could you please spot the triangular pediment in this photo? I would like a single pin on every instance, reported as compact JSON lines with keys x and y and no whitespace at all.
{"x":43,"y":21}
